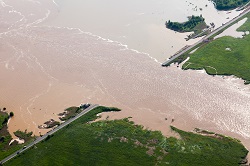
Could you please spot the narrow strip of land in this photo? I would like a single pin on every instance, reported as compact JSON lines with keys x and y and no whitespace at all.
{"x":39,"y":139}
{"x":189,"y":48}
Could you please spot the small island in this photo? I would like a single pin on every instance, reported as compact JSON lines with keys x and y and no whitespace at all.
{"x":187,"y":26}
{"x":194,"y":24}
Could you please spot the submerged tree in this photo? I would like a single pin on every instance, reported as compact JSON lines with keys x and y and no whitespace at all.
{"x":11,"y":114}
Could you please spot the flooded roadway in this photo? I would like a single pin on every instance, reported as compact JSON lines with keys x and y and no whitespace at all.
{"x":46,"y":68}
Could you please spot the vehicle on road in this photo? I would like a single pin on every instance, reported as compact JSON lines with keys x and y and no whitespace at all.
{"x":84,"y":106}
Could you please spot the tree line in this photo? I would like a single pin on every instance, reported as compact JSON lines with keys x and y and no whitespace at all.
{"x":229,"y":4}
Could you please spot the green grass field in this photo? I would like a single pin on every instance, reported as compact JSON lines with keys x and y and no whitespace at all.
{"x":121,"y":142}
{"x":245,"y":27}
{"x":217,"y":59}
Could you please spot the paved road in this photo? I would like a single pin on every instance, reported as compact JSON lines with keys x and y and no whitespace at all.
{"x":39,"y":139}
{"x":206,"y":37}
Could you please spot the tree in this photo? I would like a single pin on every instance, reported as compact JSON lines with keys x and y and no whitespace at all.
{"x":11,"y":114}
{"x":5,"y":120}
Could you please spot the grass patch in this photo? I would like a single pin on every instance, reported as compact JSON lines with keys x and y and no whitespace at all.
{"x":205,"y":150}
{"x":246,"y":26}
{"x":70,"y":113}
{"x":52,"y":123}
{"x":224,"y":56}
{"x":121,"y":142}
{"x":26,"y":136}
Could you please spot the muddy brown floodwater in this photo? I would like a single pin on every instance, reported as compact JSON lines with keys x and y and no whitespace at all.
{"x":45,"y":69}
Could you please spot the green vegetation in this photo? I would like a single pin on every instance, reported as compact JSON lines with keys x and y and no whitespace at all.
{"x":5,"y":138}
{"x":184,"y":56}
{"x":4,"y":135}
{"x":229,"y":4}
{"x":70,"y":113}
{"x":26,"y":136}
{"x":121,"y":142}
{"x":206,"y":150}
{"x":11,"y":114}
{"x":197,"y":130}
{"x":53,"y":124}
{"x":246,"y":26}
{"x":194,"y":23}
{"x":73,"y":111}
{"x":3,"y":119}
{"x":224,"y":56}
{"x":49,"y":124}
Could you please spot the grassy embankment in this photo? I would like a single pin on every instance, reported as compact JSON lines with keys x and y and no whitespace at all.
{"x":224,"y":56}
{"x":121,"y":142}
{"x":184,"y":56}
{"x":229,"y":4}
{"x":194,"y":24}
{"x":5,"y":137}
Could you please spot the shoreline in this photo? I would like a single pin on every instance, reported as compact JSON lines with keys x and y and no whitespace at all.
{"x":83,"y":97}
{"x":168,"y":133}
{"x":87,"y":68}
{"x":178,"y":122}
{"x":168,"y":145}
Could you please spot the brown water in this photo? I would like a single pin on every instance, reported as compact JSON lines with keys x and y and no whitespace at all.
{"x":232,"y":31}
{"x":47,"y":69}
{"x":138,"y":24}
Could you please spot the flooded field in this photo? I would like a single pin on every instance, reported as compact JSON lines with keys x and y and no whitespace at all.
{"x":48,"y":64}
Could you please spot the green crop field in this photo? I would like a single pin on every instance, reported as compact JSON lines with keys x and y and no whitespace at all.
{"x":121,"y":142}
